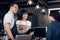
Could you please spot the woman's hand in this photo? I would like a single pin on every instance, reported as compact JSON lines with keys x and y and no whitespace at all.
{"x":20,"y":28}
{"x":26,"y":28}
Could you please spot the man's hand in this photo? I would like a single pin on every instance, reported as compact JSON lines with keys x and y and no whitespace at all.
{"x":12,"y":38}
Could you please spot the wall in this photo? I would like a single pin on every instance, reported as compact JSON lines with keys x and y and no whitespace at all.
{"x":38,"y":19}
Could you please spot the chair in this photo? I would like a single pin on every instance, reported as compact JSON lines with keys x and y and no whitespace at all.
{"x":23,"y":37}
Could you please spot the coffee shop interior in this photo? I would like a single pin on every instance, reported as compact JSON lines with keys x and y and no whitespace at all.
{"x":38,"y":13}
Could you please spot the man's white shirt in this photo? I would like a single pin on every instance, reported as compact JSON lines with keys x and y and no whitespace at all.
{"x":9,"y":18}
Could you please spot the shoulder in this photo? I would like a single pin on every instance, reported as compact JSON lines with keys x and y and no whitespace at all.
{"x":18,"y":21}
{"x":28,"y":21}
{"x":52,"y":24}
{"x":8,"y":15}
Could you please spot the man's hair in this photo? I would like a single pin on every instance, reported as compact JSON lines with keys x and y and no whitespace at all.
{"x":55,"y":15}
{"x":12,"y":4}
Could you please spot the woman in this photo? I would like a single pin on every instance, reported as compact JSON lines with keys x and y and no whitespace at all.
{"x":53,"y":29}
{"x":23,"y":24}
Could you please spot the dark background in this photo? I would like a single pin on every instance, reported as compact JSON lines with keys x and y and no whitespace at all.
{"x":37,"y":18}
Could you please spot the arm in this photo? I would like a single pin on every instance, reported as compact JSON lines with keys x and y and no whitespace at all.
{"x":7,"y":21}
{"x":7,"y":29}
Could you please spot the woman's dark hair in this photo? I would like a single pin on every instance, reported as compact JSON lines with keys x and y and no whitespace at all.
{"x":55,"y":15}
{"x":21,"y":14}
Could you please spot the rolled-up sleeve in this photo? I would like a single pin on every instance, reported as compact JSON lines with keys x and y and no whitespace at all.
{"x":7,"y":19}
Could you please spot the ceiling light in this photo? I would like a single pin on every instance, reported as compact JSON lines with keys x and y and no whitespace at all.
{"x":59,"y":11}
{"x":30,"y":2}
{"x":43,"y":10}
{"x":37,"y":6}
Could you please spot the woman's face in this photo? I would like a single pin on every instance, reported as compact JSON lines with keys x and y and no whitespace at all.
{"x":25,"y":16}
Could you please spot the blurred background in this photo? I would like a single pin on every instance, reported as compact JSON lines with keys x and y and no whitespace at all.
{"x":37,"y":9}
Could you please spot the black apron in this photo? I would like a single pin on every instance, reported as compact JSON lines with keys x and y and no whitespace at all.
{"x":14,"y":30}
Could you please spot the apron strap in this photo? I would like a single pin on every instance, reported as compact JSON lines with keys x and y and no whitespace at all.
{"x":14,"y":30}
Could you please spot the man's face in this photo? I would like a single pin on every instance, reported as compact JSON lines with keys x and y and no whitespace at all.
{"x":14,"y":8}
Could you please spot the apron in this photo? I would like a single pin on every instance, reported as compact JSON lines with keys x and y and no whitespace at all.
{"x":14,"y":30}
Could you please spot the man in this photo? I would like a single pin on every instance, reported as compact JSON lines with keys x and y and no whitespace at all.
{"x":9,"y":20}
{"x":53,"y":28}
